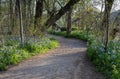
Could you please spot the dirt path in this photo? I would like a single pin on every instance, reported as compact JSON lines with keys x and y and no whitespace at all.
{"x":66,"y":62}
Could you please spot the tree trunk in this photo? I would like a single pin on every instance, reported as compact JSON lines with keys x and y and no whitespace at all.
{"x":69,"y":23}
{"x":25,"y":16}
{"x":16,"y":8}
{"x":29,"y":20}
{"x":105,"y":23}
{"x":21,"y":24}
{"x":11,"y":16}
{"x":61,"y":12}
{"x":0,"y":8}
{"x":38,"y":13}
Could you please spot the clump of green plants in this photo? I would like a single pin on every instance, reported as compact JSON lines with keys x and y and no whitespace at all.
{"x":14,"y":53}
{"x":11,"y":41}
{"x":39,"y":47}
{"x":10,"y":55}
{"x":57,"y":33}
{"x":83,"y":35}
{"x":106,"y":61}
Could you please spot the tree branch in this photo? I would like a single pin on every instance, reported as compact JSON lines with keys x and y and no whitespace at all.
{"x":61,"y":12}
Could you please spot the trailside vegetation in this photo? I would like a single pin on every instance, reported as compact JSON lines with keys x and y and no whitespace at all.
{"x":13,"y":52}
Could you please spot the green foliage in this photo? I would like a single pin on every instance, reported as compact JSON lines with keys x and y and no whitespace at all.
{"x":3,"y":66}
{"x":74,"y":28}
{"x":9,"y":55}
{"x":79,"y":35}
{"x":57,"y":33}
{"x":13,"y":53}
{"x":11,"y":41}
{"x":75,"y":34}
{"x":106,"y":61}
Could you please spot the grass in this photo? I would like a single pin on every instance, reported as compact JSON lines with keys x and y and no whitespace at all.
{"x":13,"y":52}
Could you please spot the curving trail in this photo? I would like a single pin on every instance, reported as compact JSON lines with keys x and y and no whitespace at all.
{"x":68,"y":61}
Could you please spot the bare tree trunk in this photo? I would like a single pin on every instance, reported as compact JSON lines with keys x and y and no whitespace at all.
{"x":16,"y":8}
{"x":39,"y":29}
{"x":25,"y":16}
{"x":69,"y":23}
{"x":39,"y":11}
{"x":29,"y":21}
{"x":105,"y":23}
{"x":21,"y":24}
{"x":0,"y":7}
{"x":11,"y":17}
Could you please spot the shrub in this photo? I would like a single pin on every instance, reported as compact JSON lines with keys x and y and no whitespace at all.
{"x":10,"y":55}
{"x":3,"y":66}
{"x":11,"y":41}
{"x":83,"y":35}
{"x":57,"y":33}
{"x":74,"y":28}
{"x":106,"y":61}
{"x":13,"y":54}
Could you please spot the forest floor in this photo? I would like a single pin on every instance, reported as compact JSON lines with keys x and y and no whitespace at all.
{"x":68,"y":61}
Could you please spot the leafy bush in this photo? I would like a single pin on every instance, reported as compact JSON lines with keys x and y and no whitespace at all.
{"x":58,"y":33}
{"x":13,"y":54}
{"x":74,"y":28}
{"x":79,"y":35}
{"x":9,"y":56}
{"x":3,"y":66}
{"x":11,"y":41}
{"x":39,"y":47}
{"x":106,"y":61}
{"x":74,"y":34}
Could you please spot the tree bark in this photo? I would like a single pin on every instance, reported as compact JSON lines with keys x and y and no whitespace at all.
{"x":11,"y":16}
{"x":69,"y":23}
{"x":105,"y":23}
{"x":0,"y":8}
{"x":38,"y":13}
{"x":21,"y":24}
{"x":61,"y":12}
